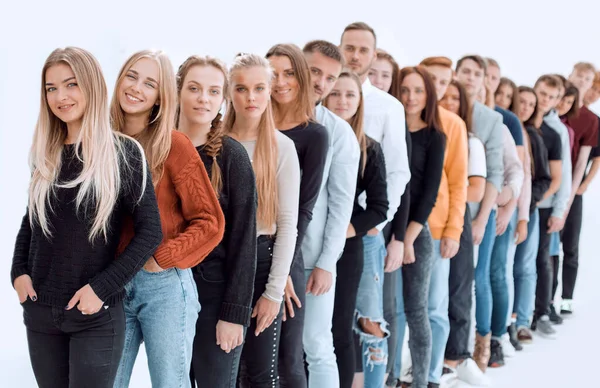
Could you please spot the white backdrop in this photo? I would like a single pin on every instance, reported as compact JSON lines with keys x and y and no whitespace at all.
{"x":527,"y":39}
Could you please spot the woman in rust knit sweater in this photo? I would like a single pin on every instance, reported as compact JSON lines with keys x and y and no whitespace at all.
{"x":161,"y":303}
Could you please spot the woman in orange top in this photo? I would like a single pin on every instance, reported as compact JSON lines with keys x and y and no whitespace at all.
{"x":161,"y":303}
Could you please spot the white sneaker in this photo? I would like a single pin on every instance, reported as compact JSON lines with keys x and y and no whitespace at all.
{"x":469,"y":372}
{"x":507,"y":348}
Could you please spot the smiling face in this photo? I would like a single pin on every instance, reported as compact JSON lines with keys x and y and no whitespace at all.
{"x":504,"y":96}
{"x":344,"y":99}
{"x":285,"y":87}
{"x":65,"y":98}
{"x":527,"y":103}
{"x":138,"y":90}
{"x":202,"y":94}
{"x":250,"y":90}
{"x":451,"y":99}
{"x":413,"y":94}
{"x":441,"y":77}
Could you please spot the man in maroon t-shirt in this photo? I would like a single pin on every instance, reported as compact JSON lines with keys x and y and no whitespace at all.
{"x":586,"y":129}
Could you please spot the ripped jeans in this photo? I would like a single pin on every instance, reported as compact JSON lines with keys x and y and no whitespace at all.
{"x":369,"y":304}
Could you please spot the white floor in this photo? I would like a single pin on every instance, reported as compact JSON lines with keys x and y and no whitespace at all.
{"x":569,"y":361}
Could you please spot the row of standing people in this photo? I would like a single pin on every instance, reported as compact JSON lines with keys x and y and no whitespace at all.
{"x":192,"y":280}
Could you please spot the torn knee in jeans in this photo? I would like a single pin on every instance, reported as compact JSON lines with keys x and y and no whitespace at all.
{"x":375,"y":356}
{"x":370,"y":327}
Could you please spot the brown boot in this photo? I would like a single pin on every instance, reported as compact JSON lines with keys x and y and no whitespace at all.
{"x":481,"y":355}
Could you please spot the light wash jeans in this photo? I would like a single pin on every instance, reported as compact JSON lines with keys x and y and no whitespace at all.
{"x":483,"y":287}
{"x":317,"y":338}
{"x":161,"y":309}
{"x":369,"y":304}
{"x":525,"y":272}
{"x":438,"y":312}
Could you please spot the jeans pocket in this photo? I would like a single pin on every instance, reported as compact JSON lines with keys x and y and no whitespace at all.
{"x":212,"y":271}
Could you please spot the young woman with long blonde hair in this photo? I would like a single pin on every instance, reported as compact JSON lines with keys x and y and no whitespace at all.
{"x":85,"y":179}
{"x":162,"y":300}
{"x":249,"y":119}
{"x":225,"y":279}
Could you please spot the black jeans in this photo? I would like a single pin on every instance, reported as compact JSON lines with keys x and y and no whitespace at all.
{"x":570,"y":241}
{"x":349,"y":270}
{"x":292,"y":370}
{"x":259,"y":356}
{"x":543,"y":289}
{"x":69,"y":349}
{"x":462,"y":275}
{"x":211,"y":366}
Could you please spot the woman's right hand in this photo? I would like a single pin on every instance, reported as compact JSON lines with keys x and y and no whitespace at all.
{"x":24,"y":287}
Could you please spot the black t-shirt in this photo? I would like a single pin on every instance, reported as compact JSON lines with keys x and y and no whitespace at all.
{"x":552,"y":142}
{"x":540,"y":174}
{"x":426,"y":165}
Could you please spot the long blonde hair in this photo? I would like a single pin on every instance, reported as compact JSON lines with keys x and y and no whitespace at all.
{"x":156,"y":139}
{"x":97,"y":146}
{"x":266,"y":151}
{"x":214,"y":141}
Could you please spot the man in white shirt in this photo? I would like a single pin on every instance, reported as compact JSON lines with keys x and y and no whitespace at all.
{"x":384,"y":122}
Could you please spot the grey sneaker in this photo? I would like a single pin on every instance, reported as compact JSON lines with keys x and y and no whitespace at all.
{"x":544,"y":327}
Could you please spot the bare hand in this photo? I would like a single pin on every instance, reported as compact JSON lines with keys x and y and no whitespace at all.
{"x":86,"y":300}
{"x":395,"y":255}
{"x":478,"y":230}
{"x":319,"y":282}
{"x":582,"y":188}
{"x":373,"y":232}
{"x":502,"y":221}
{"x":409,"y":254}
{"x":505,"y":196}
{"x":152,"y":266}
{"x":265,"y":312}
{"x":289,"y":295}
{"x":24,"y":287}
{"x":521,"y":232}
{"x":448,"y":247}
{"x":351,"y":232}
{"x":229,"y":335}
{"x":555,"y":224}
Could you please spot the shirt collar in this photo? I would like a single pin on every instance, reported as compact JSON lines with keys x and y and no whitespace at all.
{"x":367,"y":87}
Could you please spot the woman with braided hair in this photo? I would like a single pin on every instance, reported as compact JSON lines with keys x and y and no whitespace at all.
{"x":225,"y":279}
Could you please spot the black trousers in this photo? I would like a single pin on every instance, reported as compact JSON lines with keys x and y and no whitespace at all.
{"x":462,"y":275}
{"x":543,"y":291}
{"x":349,"y":270}
{"x":72,"y":350}
{"x":570,"y":241}
{"x":211,"y":366}
{"x":258,"y":366}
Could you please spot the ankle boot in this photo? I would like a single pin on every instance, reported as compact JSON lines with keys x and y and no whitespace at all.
{"x":482,"y":352}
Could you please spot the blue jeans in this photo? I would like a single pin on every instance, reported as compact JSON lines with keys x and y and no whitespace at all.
{"x":438,"y":312}
{"x":317,"y":338}
{"x":369,"y":304}
{"x":161,"y":309}
{"x":555,"y":244}
{"x":483,"y":288}
{"x":525,"y":272}
{"x":498,"y":278}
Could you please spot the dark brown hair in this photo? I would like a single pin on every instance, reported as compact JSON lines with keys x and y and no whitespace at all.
{"x":477,"y":59}
{"x":533,"y":121}
{"x":430,"y":113}
{"x":464,"y":110}
{"x":508,"y":82}
{"x":550,"y":80}
{"x":304,"y":105}
{"x":571,"y":90}
{"x":360,"y":26}
{"x":325,"y":48}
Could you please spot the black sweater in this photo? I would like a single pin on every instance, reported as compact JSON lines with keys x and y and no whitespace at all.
{"x":59,"y":266}
{"x":373,"y":181}
{"x":235,"y":256}
{"x":312,"y":144}
{"x":426,"y":164}
{"x":400,"y":221}
{"x":540,"y":181}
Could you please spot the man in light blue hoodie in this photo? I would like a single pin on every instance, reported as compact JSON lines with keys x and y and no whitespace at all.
{"x":324,"y":239}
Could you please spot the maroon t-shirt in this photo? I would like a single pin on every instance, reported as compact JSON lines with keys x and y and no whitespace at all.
{"x":585,"y":126}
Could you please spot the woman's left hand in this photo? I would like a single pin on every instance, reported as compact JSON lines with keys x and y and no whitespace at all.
{"x":86,"y":300}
